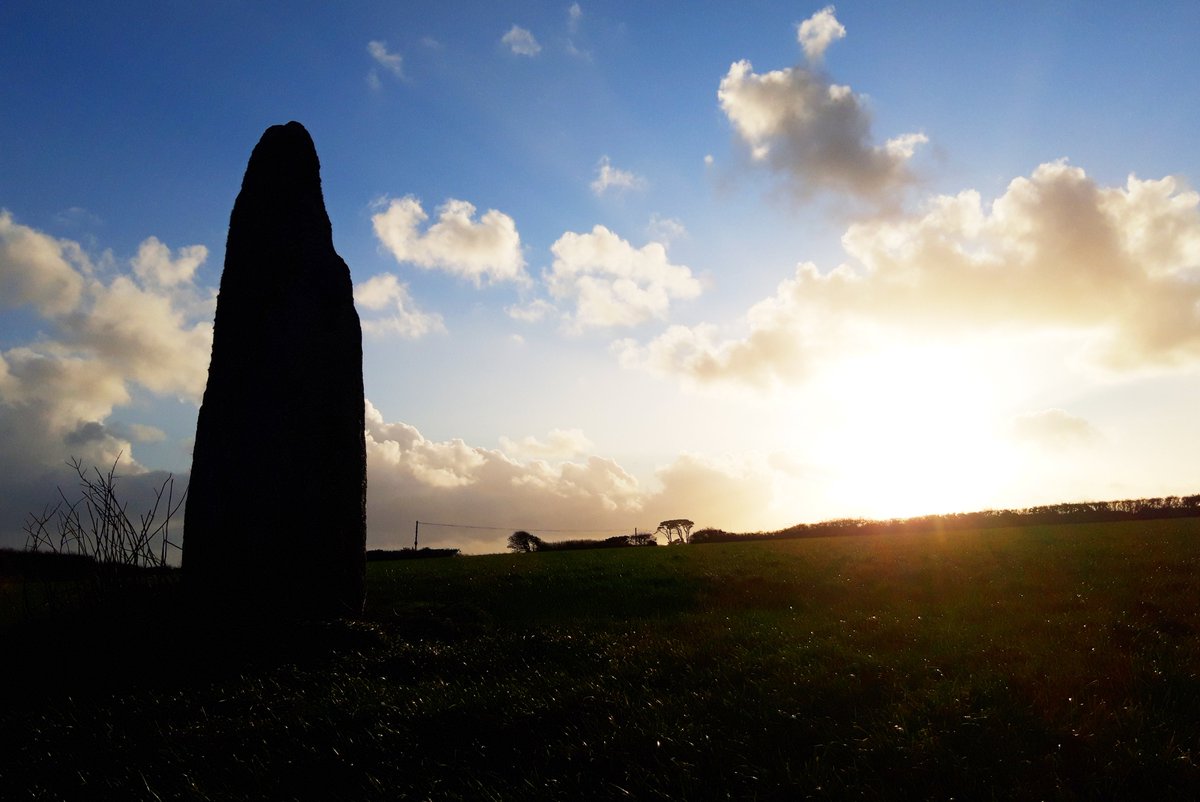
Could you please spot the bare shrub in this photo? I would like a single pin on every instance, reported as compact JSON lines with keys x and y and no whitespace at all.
{"x":97,"y":526}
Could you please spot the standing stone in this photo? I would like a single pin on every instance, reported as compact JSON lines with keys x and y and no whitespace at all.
{"x":275,"y":522}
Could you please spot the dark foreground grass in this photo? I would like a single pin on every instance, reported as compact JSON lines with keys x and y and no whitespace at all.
{"x":1044,"y":663}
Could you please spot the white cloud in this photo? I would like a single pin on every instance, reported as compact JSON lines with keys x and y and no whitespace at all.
{"x":386,"y":291}
{"x":609,"y":177}
{"x":815,"y":134}
{"x":559,"y":444}
{"x":574,"y":15}
{"x":160,"y":340}
{"x":148,"y":326}
{"x":489,"y":248}
{"x":39,"y":270}
{"x":155,"y":267}
{"x":1119,"y":267}
{"x":521,"y":42}
{"x":818,"y":32}
{"x":614,"y":284}
{"x":392,"y":62}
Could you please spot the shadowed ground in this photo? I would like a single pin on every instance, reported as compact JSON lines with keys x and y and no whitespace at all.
{"x":1049,"y":662}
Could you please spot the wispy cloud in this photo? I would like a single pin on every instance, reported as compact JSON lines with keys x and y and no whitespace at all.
{"x":392,"y":63}
{"x":665,"y":229}
{"x":574,"y":18}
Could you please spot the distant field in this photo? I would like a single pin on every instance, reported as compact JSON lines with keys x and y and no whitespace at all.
{"x":1049,"y":662}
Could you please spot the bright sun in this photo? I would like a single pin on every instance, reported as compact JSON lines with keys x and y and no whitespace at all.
{"x":917,"y":430}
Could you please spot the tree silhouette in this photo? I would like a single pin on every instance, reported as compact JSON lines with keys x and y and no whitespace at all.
{"x":523,"y":542}
{"x":677,"y":530}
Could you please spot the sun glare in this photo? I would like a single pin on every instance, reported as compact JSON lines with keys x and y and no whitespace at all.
{"x":917,"y":430}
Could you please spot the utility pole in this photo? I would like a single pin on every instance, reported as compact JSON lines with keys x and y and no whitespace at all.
{"x":416,"y":533}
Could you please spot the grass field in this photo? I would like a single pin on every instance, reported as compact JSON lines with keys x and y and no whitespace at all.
{"x":1042,"y":663}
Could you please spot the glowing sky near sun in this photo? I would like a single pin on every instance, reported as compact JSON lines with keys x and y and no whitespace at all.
{"x":749,"y":264}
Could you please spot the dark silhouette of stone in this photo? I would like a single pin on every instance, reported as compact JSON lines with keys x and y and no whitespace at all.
{"x":275,"y":521}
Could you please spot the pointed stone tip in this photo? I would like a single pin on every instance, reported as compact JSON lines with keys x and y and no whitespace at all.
{"x":292,"y":131}
{"x":285,"y":155}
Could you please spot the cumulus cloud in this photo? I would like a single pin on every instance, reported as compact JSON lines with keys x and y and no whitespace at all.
{"x":540,"y":486}
{"x":783,"y":345}
{"x":485,"y":249}
{"x":155,"y":266}
{"x":814,"y":133}
{"x":158,"y":340}
{"x":609,"y":177}
{"x":39,"y":270}
{"x":451,"y":480}
{"x":521,"y":42}
{"x":386,"y":292}
{"x":149,"y":327}
{"x":1055,"y":429}
{"x":1118,"y":266}
{"x":614,"y":284}
{"x":818,"y":32}
{"x":105,"y":336}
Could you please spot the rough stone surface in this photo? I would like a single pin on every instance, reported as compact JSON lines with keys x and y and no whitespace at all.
{"x":276,"y":519}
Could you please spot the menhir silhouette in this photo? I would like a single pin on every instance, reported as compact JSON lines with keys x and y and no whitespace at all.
{"x":276,"y":519}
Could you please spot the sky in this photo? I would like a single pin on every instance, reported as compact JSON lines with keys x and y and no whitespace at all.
{"x":749,"y":264}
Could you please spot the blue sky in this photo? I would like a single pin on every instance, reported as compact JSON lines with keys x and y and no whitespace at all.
{"x":877,"y":259}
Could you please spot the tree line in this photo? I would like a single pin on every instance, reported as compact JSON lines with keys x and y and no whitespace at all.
{"x":522,"y":542}
{"x":1071,"y":512}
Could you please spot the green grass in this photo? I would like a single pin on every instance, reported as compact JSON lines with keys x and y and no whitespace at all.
{"x":1055,"y":663}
